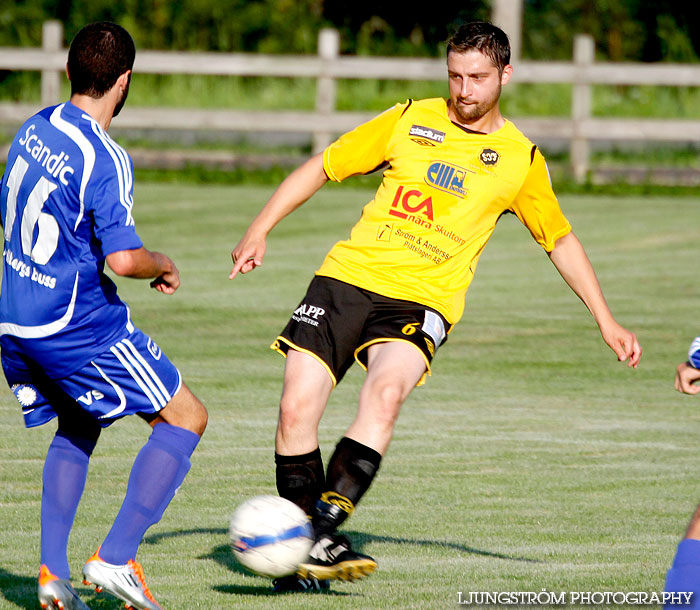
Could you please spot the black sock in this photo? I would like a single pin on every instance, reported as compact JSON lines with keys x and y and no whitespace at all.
{"x":300,"y":478}
{"x":351,"y":471}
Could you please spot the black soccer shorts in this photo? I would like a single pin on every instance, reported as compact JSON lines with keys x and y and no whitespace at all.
{"x":336,"y":323}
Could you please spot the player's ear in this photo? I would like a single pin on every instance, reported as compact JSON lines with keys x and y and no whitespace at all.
{"x":67,"y":72}
{"x":506,"y":74}
{"x":124,"y":79}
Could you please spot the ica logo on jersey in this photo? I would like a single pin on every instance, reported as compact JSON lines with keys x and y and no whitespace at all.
{"x":447,"y":177}
{"x":411,"y":202}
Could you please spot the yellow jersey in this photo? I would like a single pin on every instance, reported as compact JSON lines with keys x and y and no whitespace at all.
{"x":443,"y":191}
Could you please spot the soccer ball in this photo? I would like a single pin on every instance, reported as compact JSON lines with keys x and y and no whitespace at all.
{"x":270,"y":536}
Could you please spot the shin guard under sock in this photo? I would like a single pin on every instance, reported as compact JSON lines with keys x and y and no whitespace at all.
{"x":300,"y":478}
{"x":351,"y":471}
{"x":65,"y":471}
{"x":157,"y":473}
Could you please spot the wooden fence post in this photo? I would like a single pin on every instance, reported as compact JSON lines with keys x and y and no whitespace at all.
{"x":581,"y":105}
{"x":51,"y":40}
{"x":328,"y":51}
{"x":508,"y":15}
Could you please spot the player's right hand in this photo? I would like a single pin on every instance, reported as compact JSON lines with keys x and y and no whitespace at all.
{"x":686,"y":376}
{"x":623,"y":342}
{"x":247,"y":255}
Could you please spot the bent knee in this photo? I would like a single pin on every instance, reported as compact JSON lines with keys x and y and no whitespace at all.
{"x":292,"y":413}
{"x":186,"y":411}
{"x":385,"y":394}
{"x":384,"y":400}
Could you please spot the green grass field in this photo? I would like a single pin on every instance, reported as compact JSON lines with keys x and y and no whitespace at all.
{"x":531,"y":459}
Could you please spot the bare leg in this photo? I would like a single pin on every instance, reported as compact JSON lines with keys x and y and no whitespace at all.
{"x":693,"y":530}
{"x":393,"y":370}
{"x":307,"y":387}
{"x":184,"y":411}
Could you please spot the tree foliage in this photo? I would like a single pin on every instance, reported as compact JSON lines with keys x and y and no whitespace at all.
{"x":624,"y":30}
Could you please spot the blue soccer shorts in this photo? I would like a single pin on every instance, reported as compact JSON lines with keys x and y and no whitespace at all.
{"x":133,"y":376}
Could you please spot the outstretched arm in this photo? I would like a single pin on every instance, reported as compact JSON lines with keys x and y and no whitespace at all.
{"x":143,"y":264}
{"x":296,"y":188}
{"x":570,"y":259}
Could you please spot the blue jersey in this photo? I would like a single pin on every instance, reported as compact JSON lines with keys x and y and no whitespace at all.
{"x":694,"y":353}
{"x":65,"y":204}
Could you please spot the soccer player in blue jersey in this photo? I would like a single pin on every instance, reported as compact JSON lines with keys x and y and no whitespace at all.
{"x":69,"y":348}
{"x":684,"y":575}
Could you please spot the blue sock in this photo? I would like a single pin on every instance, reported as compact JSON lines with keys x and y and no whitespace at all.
{"x":684,"y":575}
{"x":157,"y":473}
{"x":65,"y":471}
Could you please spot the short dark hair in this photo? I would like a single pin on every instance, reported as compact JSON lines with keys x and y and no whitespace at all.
{"x":99,"y":54}
{"x":484,"y":37}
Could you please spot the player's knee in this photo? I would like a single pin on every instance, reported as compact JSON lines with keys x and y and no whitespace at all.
{"x":386,"y":399}
{"x":186,"y":411}
{"x":296,"y":414}
{"x":200,"y":418}
{"x":388,"y":394}
{"x":291,"y":413}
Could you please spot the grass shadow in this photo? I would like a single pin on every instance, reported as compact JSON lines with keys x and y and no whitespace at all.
{"x":19,"y":590}
{"x":359,"y":540}
{"x":222,"y":555}
{"x":22,"y":592}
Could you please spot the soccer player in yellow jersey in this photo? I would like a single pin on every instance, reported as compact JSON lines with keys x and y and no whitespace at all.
{"x":388,"y":295}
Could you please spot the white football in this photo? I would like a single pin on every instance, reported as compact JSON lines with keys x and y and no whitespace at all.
{"x":270,"y":536}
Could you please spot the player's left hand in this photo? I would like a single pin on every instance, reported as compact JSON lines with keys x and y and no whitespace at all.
{"x":686,"y":376}
{"x":623,"y":342}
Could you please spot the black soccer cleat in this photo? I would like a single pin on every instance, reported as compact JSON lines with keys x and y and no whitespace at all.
{"x":332,"y":558}
{"x":297,"y":584}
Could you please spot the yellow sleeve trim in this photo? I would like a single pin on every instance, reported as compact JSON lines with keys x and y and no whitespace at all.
{"x":549,"y":246}
{"x":327,"y":165}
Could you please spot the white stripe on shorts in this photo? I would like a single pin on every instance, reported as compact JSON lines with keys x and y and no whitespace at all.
{"x":148,"y":368}
{"x":147,"y":373}
{"x":117,"y":389}
{"x":136,"y":371}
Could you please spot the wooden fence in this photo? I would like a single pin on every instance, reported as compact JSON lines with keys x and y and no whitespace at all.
{"x":325,"y":122}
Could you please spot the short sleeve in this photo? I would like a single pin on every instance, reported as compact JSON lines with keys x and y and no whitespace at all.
{"x":362,"y":150}
{"x":694,"y":353}
{"x":537,"y":207}
{"x":111,"y":206}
